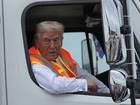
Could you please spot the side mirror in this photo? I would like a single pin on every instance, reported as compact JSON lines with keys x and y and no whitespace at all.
{"x":118,"y":85}
{"x":114,"y":41}
{"x":115,"y":49}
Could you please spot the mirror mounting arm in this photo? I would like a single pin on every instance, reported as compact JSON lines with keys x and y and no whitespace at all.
{"x":125,"y":29}
{"x":131,"y":83}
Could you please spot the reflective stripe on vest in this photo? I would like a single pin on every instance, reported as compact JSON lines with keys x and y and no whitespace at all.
{"x":53,"y":66}
{"x":35,"y":57}
{"x":71,"y":72}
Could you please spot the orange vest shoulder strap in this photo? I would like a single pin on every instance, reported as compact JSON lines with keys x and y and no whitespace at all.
{"x":34,"y":60}
{"x":53,"y":66}
{"x":68,"y":60}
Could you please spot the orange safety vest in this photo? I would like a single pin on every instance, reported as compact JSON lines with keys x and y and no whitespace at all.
{"x":67,"y":67}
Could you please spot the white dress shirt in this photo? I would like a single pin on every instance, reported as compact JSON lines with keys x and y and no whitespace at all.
{"x":49,"y":81}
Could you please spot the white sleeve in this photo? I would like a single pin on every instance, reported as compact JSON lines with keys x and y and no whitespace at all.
{"x":49,"y":81}
{"x":85,"y":75}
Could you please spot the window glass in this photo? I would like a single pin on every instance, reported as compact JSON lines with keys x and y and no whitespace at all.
{"x":102,"y":65}
{"x":76,"y":44}
{"x":72,"y":43}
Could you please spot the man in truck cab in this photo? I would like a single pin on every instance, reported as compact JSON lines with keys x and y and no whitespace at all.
{"x":53,"y":66}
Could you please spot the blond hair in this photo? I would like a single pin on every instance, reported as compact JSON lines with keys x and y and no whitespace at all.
{"x":47,"y":25}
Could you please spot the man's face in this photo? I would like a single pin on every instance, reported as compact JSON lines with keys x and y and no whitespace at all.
{"x":49,"y":44}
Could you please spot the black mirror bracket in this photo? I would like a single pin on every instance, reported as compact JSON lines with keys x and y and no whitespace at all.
{"x":125,"y":29}
{"x":131,"y":83}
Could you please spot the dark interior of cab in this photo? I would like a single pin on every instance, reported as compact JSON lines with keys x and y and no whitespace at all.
{"x":74,"y":16}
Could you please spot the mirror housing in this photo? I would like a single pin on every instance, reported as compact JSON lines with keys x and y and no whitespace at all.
{"x":118,"y":85}
{"x":115,"y":49}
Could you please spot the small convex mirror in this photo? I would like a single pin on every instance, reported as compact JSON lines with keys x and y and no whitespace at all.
{"x":118,"y":85}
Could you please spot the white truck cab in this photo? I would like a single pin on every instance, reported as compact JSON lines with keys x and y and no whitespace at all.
{"x":102,"y":36}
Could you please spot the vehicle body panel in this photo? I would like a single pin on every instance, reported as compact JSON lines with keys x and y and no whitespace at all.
{"x":16,"y":85}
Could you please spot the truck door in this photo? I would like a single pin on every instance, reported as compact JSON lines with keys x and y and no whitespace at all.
{"x":75,"y":36}
{"x":17,"y":83}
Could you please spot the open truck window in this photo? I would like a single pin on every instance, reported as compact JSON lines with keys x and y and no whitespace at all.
{"x":83,"y":36}
{"x":76,"y":44}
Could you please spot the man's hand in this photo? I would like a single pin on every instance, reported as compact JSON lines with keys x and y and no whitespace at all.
{"x":92,"y":87}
